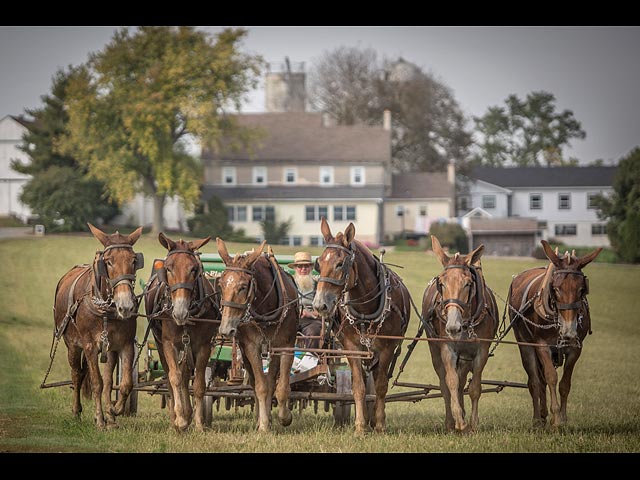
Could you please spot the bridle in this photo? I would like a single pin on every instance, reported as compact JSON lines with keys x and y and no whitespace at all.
{"x":246,"y":306}
{"x":346,"y":268}
{"x":100,"y":271}
{"x":574,"y":305}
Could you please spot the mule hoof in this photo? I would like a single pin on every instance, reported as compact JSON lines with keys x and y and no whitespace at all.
{"x":285,"y":418}
{"x":112,"y":426}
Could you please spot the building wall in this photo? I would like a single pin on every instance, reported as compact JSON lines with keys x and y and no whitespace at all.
{"x":12,"y":182}
{"x":436,"y":210}
{"x":306,"y":174}
{"x":505,"y":244}
{"x":480,"y":189}
{"x":365,"y":222}
{"x":139,"y":212}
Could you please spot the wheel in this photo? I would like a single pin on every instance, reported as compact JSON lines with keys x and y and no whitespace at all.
{"x":341,"y":409}
{"x":207,"y":400}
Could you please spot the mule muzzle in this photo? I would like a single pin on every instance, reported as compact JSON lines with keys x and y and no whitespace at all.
{"x":324,"y":304}
{"x":229,"y":326}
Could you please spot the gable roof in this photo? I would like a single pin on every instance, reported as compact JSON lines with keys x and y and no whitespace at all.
{"x":420,"y":185}
{"x":513,"y":177}
{"x":300,"y":136}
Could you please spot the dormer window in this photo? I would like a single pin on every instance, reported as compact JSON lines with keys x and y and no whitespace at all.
{"x":259,"y":175}
{"x":229,"y":176}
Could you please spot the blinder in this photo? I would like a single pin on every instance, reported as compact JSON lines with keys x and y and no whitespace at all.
{"x":574,"y":305}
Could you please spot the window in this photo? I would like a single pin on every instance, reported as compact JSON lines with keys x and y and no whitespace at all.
{"x":326,"y":175}
{"x":344,"y":212}
{"x":294,"y":241}
{"x":564,"y":201}
{"x":316,"y":241}
{"x":290,"y":175}
{"x":488,"y":201}
{"x":313,"y":213}
{"x":535,"y":201}
{"x":229,"y":175}
{"x":592,"y":200}
{"x":261,"y":212}
{"x":357,"y":175}
{"x":237,"y":213}
{"x":566,"y":229}
{"x":598,"y":229}
{"x":400,"y":210}
{"x":422,"y":211}
{"x":259,"y":175}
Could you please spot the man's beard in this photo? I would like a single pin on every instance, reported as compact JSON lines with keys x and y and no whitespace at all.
{"x":304,"y":282}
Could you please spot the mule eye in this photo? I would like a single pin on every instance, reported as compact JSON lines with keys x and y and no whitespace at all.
{"x":194,"y":270}
{"x":242,"y":288}
{"x":339,"y":265}
{"x":109,"y":262}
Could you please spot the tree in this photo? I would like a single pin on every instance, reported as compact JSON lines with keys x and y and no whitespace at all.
{"x":214,"y":221}
{"x":59,"y":191}
{"x":450,"y":235}
{"x":428,"y":127}
{"x":622,"y":208}
{"x":274,"y":232}
{"x":134,"y":106}
{"x":526,"y":133}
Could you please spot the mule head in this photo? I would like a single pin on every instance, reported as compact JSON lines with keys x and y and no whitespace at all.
{"x":236,"y":286}
{"x":181,"y":271}
{"x":336,"y":266}
{"x":117,"y":265}
{"x":568,"y":287}
{"x":456,"y":286}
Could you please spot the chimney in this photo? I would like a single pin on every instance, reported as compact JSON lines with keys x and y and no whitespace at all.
{"x":451,"y":180}
{"x":386,"y":120}
{"x":285,"y":89}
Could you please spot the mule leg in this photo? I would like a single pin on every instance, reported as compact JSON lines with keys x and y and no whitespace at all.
{"x":179,"y":387}
{"x":534,"y":382}
{"x":127,"y":356}
{"x":261,"y":386}
{"x":551,"y":379}
{"x":91,"y":355}
{"x":78,"y":373}
{"x":475,"y":387}
{"x":449,"y":359}
{"x":382,"y":385}
{"x":357,"y":387}
{"x":107,"y":385}
{"x":199,"y":386}
{"x":565,"y":384}
{"x":436,"y":359}
{"x":283,"y":391}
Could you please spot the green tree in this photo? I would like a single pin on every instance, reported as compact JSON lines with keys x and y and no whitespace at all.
{"x":450,"y":235}
{"x":274,"y":232}
{"x":526,"y":133}
{"x":59,"y":191}
{"x":622,"y":208}
{"x":428,"y":128}
{"x":134,"y":106}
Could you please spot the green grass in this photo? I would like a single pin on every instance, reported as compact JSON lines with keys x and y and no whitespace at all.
{"x":604,"y":412}
{"x":10,"y":222}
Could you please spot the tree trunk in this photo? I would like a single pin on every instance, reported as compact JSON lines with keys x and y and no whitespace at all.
{"x":158,"y":210}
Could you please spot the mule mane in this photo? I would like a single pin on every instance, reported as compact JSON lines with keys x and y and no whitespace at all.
{"x":181,"y":245}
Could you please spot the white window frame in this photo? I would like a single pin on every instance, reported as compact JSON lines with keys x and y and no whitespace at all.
{"x":531,"y":207}
{"x":354,"y":171}
{"x":421,"y":209}
{"x":487,"y":198}
{"x":590,"y":197}
{"x":319,"y":241}
{"x":560,"y":207}
{"x":258,"y":172}
{"x":324,"y":171}
{"x":292,"y":170}
{"x":229,"y":172}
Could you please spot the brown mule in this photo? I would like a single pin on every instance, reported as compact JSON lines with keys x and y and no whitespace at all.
{"x":458,"y":305}
{"x":548,"y":305}
{"x":95,"y":310}
{"x":371,"y":300}
{"x":259,"y":303}
{"x":177,"y":295}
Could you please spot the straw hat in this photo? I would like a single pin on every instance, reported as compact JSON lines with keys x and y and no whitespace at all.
{"x":301,"y":258}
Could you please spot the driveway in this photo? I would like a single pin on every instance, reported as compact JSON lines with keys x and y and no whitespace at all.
{"x":16,"y":232}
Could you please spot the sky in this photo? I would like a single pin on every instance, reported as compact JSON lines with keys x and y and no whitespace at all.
{"x":592,"y":71}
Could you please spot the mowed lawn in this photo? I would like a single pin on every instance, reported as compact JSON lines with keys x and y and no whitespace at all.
{"x":604,"y":410}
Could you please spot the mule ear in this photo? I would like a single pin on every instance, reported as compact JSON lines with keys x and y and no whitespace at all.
{"x":252,"y":257}
{"x":134,"y":236}
{"x":325,"y":230}
{"x":166,"y":242}
{"x":349,"y":234}
{"x":102,"y":237}
{"x":553,"y":257}
{"x":437,"y":249}
{"x":588,"y":258}
{"x":198,"y":244}
{"x":222,"y":250}
{"x":474,"y":257}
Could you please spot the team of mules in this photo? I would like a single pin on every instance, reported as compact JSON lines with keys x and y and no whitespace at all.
{"x":364,"y":303}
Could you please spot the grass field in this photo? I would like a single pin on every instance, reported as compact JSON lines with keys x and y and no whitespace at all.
{"x":604,"y":411}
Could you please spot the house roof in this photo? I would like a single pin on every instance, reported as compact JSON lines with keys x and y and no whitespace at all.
{"x":489,"y":226}
{"x":22,"y":120}
{"x":310,"y":193}
{"x":420,"y":185}
{"x":300,"y":136}
{"x":513,"y":177}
